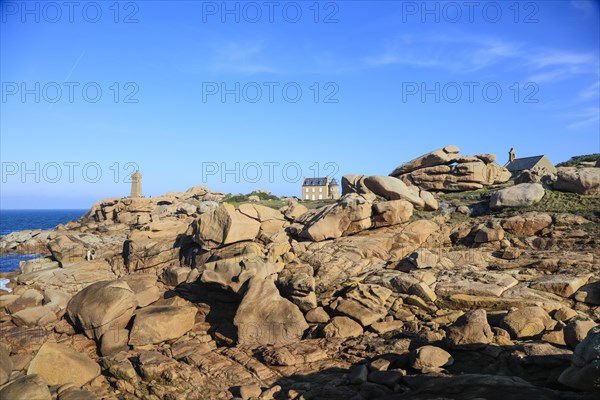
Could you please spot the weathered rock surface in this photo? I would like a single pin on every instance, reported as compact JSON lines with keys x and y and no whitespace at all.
{"x":381,"y":295}
{"x":365,"y":303}
{"x":6,"y":364}
{"x":156,"y":324}
{"x":34,"y":316}
{"x":527,"y":322}
{"x":225,"y":225}
{"x":584,"y":372}
{"x":264,"y":317}
{"x":527,"y":224}
{"x":443,"y":156}
{"x":577,"y":330}
{"x":445,"y":170}
{"x":581,"y":181}
{"x":58,"y":364}
{"x":26,"y":388}
{"x":430,"y":357}
{"x":470,"y":330}
{"x":352,"y":214}
{"x":102,"y":306}
{"x":349,"y":215}
{"x":521,"y":195}
{"x":389,"y":188}
{"x":233,"y":273}
{"x":341,"y":327}
{"x":71,"y":278}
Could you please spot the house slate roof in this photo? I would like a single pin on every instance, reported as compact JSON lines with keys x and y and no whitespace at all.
{"x":524,"y":163}
{"x":315,"y":182}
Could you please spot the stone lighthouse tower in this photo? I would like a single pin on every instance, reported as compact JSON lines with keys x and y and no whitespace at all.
{"x":136,"y":185}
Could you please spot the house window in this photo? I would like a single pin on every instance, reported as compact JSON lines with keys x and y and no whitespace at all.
{"x":320,"y":197}
{"x":313,"y":191}
{"x":320,"y":190}
{"x":313,"y":196}
{"x":306,"y":190}
{"x":306,"y":197}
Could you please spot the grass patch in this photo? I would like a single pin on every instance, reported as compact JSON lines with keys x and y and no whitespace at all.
{"x":572,"y":203}
{"x":577,"y":159}
{"x":553,"y":202}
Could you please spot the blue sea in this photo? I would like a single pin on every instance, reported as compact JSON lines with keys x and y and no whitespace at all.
{"x":19,"y":220}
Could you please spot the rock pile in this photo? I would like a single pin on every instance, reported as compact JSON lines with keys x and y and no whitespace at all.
{"x":447,"y":171}
{"x":186,"y":297}
{"x":581,"y":181}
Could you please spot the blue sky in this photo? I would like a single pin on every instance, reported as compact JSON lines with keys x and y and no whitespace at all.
{"x":190,"y":89}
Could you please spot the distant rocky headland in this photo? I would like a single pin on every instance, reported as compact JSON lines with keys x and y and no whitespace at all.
{"x":451,"y":277}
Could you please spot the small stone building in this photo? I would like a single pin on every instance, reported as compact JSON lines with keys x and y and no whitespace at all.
{"x":320,"y":188}
{"x":517,"y":165}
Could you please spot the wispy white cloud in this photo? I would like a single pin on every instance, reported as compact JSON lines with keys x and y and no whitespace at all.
{"x":465,"y":54}
{"x":591,"y":92}
{"x":555,"y":65}
{"x":585,"y":117}
{"x":588,"y":8}
{"x":457,"y":53}
{"x":236,"y":57}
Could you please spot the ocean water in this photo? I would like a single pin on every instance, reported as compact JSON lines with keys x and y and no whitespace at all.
{"x":19,"y":220}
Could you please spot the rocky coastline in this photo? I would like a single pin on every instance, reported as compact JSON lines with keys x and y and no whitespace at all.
{"x":444,"y":279}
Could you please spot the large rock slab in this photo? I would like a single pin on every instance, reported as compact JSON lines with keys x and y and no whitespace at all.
{"x":261,"y":213}
{"x":157,"y":324}
{"x":59,"y":364}
{"x":527,"y":322}
{"x":233,"y":273}
{"x":584,"y":372}
{"x":470,"y":330}
{"x":443,"y":156}
{"x":391,"y":188}
{"x":522,"y":195}
{"x":561,"y":284}
{"x":354,"y":184}
{"x":294,"y":211}
{"x":581,"y":181}
{"x":28,"y":387}
{"x":37,"y":264}
{"x":71,"y":278}
{"x":527,"y":224}
{"x":73,"y":246}
{"x":34,"y":316}
{"x":577,"y":330}
{"x":589,"y":293}
{"x":102,"y":306}
{"x":365,"y":303}
{"x":297,"y":283}
{"x":265,"y":318}
{"x":6,"y":364}
{"x":350,"y":215}
{"x":342,"y":327}
{"x":145,"y":288}
{"x":225,"y":225}
{"x":157,"y":245}
{"x":389,"y":213}
{"x":430,"y":357}
{"x":446,"y":170}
